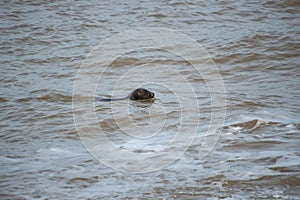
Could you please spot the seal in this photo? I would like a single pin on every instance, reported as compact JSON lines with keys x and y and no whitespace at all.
{"x":139,"y":94}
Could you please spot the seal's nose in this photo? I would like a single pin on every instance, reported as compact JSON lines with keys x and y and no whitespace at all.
{"x":152,"y":95}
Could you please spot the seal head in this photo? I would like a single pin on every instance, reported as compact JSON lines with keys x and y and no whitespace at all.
{"x":141,"y":94}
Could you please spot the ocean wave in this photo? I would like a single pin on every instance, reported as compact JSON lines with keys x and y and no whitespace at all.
{"x":48,"y":96}
{"x":250,"y":125}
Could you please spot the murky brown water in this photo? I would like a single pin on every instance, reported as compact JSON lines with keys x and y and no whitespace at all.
{"x":256,"y":48}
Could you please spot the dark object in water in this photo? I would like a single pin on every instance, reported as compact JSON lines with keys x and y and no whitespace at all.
{"x":137,"y":95}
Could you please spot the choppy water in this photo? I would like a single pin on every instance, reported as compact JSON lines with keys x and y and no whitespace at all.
{"x":256,"y":48}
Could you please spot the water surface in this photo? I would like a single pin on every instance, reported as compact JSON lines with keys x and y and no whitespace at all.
{"x":256,"y":48}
